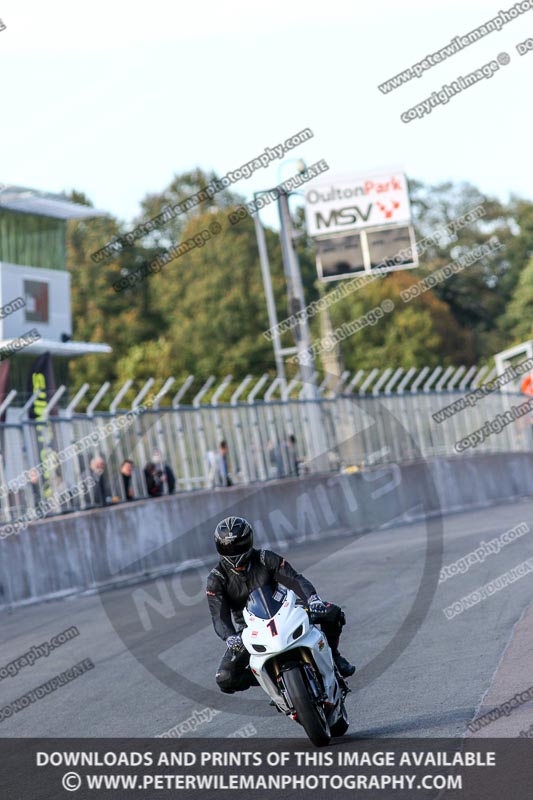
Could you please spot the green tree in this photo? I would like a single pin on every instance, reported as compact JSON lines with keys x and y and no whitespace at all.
{"x":420,"y":332}
{"x":99,"y":313}
{"x":212,"y":301}
{"x":205,"y":312}
{"x":477,"y":295}
{"x":518,"y":318}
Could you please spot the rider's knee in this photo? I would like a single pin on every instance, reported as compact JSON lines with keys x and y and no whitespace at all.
{"x":224,"y":681}
{"x":335,"y":614}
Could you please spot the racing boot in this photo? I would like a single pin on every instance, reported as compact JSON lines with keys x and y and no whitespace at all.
{"x":343,"y":665}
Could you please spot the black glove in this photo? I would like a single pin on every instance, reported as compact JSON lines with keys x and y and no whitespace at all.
{"x":317,"y":607}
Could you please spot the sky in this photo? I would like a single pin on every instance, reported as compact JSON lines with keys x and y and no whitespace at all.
{"x":115,"y":98}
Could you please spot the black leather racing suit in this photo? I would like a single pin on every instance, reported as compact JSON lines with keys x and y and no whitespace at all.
{"x":227,"y":594}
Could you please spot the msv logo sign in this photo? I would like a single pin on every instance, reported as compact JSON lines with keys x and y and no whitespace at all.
{"x":353,"y":204}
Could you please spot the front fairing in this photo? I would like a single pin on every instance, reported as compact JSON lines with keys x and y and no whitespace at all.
{"x":289,"y":629}
{"x":281,"y":632}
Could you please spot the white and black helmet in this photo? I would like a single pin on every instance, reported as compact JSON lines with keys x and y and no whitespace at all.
{"x":234,"y":540}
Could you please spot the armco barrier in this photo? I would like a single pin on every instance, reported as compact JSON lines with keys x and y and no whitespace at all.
{"x":91,"y":549}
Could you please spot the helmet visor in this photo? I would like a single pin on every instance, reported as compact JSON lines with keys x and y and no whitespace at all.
{"x":235,"y":548}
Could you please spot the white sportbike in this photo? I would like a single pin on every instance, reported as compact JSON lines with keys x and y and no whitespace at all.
{"x":292,"y":661}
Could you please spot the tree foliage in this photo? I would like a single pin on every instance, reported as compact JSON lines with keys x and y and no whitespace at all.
{"x":205,"y":312}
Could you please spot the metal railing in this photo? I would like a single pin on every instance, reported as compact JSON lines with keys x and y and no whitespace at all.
{"x":271,"y":431}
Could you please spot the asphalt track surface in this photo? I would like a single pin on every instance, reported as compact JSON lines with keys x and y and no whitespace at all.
{"x":450,"y":672}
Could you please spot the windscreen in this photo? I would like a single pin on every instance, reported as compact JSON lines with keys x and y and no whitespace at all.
{"x":266,"y":602}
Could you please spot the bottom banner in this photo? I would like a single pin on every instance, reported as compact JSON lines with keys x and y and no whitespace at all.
{"x":54,"y":769}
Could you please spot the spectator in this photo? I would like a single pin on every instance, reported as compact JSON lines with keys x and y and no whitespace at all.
{"x":165,"y":470}
{"x":59,"y":490}
{"x":211,"y":461}
{"x":292,"y":455}
{"x":274,"y":459}
{"x":153,"y":478}
{"x":35,"y":485}
{"x":100,"y":493}
{"x":126,"y":470}
{"x":222,"y":474}
{"x":283,"y":459}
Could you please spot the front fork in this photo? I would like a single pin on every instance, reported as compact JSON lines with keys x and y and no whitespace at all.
{"x":312,"y":675}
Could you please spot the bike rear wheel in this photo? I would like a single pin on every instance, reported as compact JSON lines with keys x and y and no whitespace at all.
{"x":312,"y":719}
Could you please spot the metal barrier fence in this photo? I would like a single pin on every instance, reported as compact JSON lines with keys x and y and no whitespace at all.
{"x":266,"y":439}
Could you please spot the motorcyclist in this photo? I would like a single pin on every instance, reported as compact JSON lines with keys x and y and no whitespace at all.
{"x":240,"y":571}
